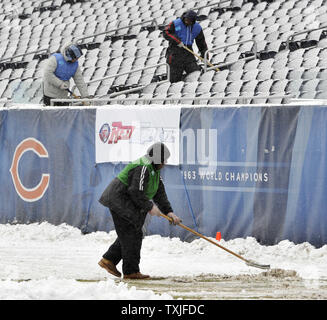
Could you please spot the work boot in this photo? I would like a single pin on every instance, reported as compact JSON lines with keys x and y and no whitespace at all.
{"x":109,"y":266}
{"x":136,"y":276}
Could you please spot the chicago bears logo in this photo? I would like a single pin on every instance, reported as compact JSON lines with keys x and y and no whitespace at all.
{"x":29,"y":194}
{"x":104,"y":132}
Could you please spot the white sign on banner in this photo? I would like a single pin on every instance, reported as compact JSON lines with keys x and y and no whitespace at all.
{"x":123,"y":134}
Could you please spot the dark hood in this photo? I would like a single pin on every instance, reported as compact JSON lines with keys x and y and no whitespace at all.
{"x":190,"y":14}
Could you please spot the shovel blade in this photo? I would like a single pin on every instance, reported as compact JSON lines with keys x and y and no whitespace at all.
{"x":257,"y":265}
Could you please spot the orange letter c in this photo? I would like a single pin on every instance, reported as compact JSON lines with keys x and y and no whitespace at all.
{"x":29,"y":194}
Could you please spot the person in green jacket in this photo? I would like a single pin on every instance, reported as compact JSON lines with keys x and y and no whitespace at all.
{"x":137,"y":190}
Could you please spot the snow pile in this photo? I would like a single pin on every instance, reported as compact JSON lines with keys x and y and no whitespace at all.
{"x":62,"y":289}
{"x":43,"y":261}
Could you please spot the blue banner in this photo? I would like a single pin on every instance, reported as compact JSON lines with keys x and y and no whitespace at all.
{"x":68,"y":138}
{"x":244,"y":171}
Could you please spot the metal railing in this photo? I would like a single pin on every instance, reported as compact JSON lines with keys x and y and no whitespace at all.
{"x":302,"y":32}
{"x":25,"y":54}
{"x":254,"y":48}
{"x":128,"y":72}
{"x":211,"y":5}
{"x":175,"y":100}
{"x":153,"y":21}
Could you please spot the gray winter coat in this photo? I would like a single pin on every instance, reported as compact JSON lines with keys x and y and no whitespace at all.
{"x":51,"y":84}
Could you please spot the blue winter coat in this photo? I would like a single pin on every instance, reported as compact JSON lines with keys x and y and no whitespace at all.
{"x":186,"y":34}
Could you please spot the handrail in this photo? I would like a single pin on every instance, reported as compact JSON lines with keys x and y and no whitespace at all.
{"x":114,"y":30}
{"x":24,"y":54}
{"x":128,"y":72}
{"x":211,"y":5}
{"x":301,"y":32}
{"x":174,"y":99}
{"x":230,"y":45}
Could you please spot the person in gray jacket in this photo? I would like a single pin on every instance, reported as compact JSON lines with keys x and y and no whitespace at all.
{"x":59,"y":69}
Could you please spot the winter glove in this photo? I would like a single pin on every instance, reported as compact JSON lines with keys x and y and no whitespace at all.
{"x":88,"y":103}
{"x":174,"y":219}
{"x":64,"y":86}
{"x":155,"y":211}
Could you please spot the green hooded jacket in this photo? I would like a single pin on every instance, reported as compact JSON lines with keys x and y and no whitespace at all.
{"x":154,"y":176}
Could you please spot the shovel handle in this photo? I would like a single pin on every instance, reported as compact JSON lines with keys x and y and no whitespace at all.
{"x":248,"y":262}
{"x":205,"y":238}
{"x":199,"y":57}
{"x":76,"y":97}
{"x":73,"y":94}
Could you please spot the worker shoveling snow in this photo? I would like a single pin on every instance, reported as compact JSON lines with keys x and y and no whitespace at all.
{"x":43,"y":261}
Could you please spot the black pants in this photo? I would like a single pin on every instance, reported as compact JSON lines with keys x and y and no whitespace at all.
{"x":127,"y":246}
{"x":179,"y":61}
{"x":46,"y":101}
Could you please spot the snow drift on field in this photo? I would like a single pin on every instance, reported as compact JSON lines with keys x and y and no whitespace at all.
{"x":43,"y":261}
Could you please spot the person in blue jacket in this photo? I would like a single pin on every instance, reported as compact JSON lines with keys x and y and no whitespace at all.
{"x":182,"y":32}
{"x":59,"y":69}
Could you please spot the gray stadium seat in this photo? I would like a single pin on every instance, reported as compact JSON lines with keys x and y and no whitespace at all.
{"x":249,"y":87}
{"x":311,"y":73}
{"x":279,"y":86}
{"x":322,"y":85}
{"x":280,"y":74}
{"x":264,"y":86}
{"x":321,"y":95}
{"x":309,"y":85}
{"x":294,"y":86}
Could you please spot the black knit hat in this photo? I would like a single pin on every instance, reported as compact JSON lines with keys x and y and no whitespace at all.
{"x":190,"y":14}
{"x":158,"y":153}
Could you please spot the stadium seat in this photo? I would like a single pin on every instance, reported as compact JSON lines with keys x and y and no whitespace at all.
{"x":250,"y":75}
{"x":207,"y":76}
{"x":322,"y":74}
{"x":190,"y":87}
{"x":176,"y":87}
{"x":311,"y":73}
{"x":321,"y":95}
{"x":280,"y":74}
{"x":249,"y":87}
{"x":264,"y":86}
{"x":219,"y":86}
{"x":234,"y":87}
{"x":278,"y":86}
{"x":294,"y":86}
{"x":321,"y":85}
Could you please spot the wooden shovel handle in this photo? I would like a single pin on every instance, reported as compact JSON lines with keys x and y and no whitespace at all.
{"x":205,"y":238}
{"x":199,"y":57}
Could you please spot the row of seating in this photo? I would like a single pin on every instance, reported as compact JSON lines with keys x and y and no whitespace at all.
{"x":269,"y":23}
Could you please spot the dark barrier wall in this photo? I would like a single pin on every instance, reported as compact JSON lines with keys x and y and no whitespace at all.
{"x":245,"y":171}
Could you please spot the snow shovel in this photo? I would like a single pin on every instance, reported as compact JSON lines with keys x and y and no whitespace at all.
{"x":199,"y":57}
{"x":76,"y":97}
{"x":248,"y":262}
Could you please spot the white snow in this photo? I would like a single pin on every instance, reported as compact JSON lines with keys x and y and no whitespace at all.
{"x":43,"y":261}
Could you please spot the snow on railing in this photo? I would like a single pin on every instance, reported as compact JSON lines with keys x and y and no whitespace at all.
{"x":172,"y":100}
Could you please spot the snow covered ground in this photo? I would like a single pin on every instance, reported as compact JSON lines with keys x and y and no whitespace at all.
{"x":43,"y":261}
